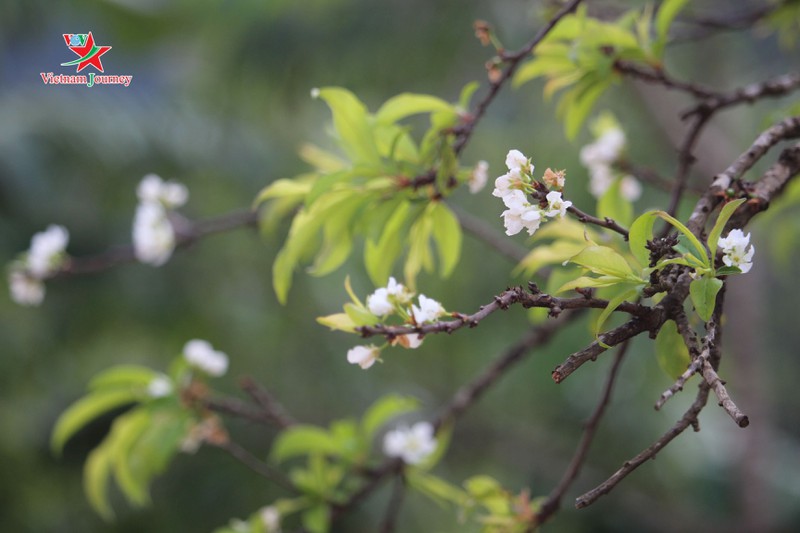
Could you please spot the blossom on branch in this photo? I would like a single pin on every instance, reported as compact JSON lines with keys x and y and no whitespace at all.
{"x":520,"y":214}
{"x":153,"y":235}
{"x":413,"y":445}
{"x":25,"y":289}
{"x":599,"y":156}
{"x":556,"y":206}
{"x":152,"y":189}
{"x":516,"y":161}
{"x":47,"y":249}
{"x":382,"y":302}
{"x":479,"y":177}
{"x":363,"y":356}
{"x":159,"y":387}
{"x":737,"y":250}
{"x":202,"y":356}
{"x":429,"y":310}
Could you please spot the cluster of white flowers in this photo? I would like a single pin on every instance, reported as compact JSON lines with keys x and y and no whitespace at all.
{"x":43,"y":259}
{"x":395,"y":299}
{"x":513,"y":188}
{"x":479,"y":177}
{"x":153,"y":235}
{"x":202,"y":356}
{"x":413,"y":445}
{"x":599,"y":157}
{"x":737,"y":250}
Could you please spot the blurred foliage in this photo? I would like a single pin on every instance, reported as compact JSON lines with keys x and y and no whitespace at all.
{"x":220,"y":100}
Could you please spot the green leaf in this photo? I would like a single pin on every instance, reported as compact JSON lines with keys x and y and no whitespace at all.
{"x":380,"y":257}
{"x":407,"y":104}
{"x":604,"y":260}
{"x":123,"y":377}
{"x":612,"y":306}
{"x":727,"y":271}
{"x":351,"y":123}
{"x":546,"y":255}
{"x":696,"y":247}
{"x":447,"y":236}
{"x":316,"y":519}
{"x":86,"y":409}
{"x":585,"y":282}
{"x":614,"y":205}
{"x":581,"y":103}
{"x":466,"y":95}
{"x":282,"y":188}
{"x":322,"y":160}
{"x":126,"y":430}
{"x":419,"y":249}
{"x":724,"y":215}
{"x":361,"y":316}
{"x":435,"y":488}
{"x":384,"y":409}
{"x":338,"y":321}
{"x":667,"y":12}
{"x":337,"y":240}
{"x":96,"y":472}
{"x":703,"y":292}
{"x":671,"y":352}
{"x":303,"y":440}
{"x":639,"y":233}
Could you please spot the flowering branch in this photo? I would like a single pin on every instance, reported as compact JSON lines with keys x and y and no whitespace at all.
{"x":501,"y":302}
{"x":606,"y":222}
{"x":512,"y":60}
{"x":187,"y":233}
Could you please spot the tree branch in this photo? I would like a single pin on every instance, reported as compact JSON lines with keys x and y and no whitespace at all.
{"x":271,"y":408}
{"x":771,"y":88}
{"x":553,"y":502}
{"x":501,"y":302}
{"x":252,"y":462}
{"x":688,"y":419}
{"x":186,"y":233}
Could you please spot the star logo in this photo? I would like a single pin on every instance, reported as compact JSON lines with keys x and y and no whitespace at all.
{"x":88,"y":52}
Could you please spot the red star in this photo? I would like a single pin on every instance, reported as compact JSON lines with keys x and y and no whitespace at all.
{"x":86,"y":49}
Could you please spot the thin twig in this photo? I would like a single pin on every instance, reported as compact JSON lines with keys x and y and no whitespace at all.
{"x":189,"y":232}
{"x":659,"y":77}
{"x":688,"y":419}
{"x":725,"y":401}
{"x":272,"y":409}
{"x":512,"y":60}
{"x":237,"y":408}
{"x":395,"y":504}
{"x":606,"y":222}
{"x":468,"y":394}
{"x":685,"y":162}
{"x":771,"y":88}
{"x":549,"y":507}
{"x":254,"y":464}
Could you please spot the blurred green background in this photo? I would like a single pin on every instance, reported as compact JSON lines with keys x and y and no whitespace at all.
{"x":220,"y":101}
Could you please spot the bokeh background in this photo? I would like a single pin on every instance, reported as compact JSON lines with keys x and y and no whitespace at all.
{"x":220,"y":101}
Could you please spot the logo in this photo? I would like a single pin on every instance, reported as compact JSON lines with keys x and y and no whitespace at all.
{"x":89,"y":55}
{"x":88,"y":52}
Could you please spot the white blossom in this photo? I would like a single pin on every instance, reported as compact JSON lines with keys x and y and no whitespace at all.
{"x":159,"y":387}
{"x":479,"y":177}
{"x":46,"y":248}
{"x":413,"y":445}
{"x":363,"y":356}
{"x":556,"y":206}
{"x":520,"y":214}
{"x":508,"y":183}
{"x":25,"y":289}
{"x":379,"y":304}
{"x":271,"y":518}
{"x":428,"y":310}
{"x":737,"y":250}
{"x":153,"y":235}
{"x":630,"y":188}
{"x":605,"y":150}
{"x":202,"y":356}
{"x":600,"y":179}
{"x":409,"y":340}
{"x":152,"y":189}
{"x":516,"y":160}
